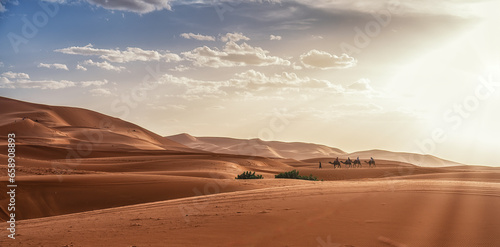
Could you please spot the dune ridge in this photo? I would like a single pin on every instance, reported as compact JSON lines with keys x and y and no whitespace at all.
{"x":63,"y":126}
{"x":299,"y":150}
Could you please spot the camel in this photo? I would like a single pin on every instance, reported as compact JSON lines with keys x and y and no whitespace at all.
{"x":356,"y":163}
{"x":335,"y":164}
{"x":347,"y":163}
{"x":371,"y":163}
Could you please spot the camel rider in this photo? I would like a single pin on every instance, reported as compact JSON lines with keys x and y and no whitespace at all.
{"x":358,"y":160}
{"x":337,"y":160}
{"x":320,"y":165}
{"x":371,"y":159}
{"x":348,"y":160}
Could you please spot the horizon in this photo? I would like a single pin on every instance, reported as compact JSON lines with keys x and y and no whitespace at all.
{"x":416,"y":77}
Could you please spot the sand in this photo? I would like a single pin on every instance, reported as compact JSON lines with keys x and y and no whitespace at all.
{"x":131,"y":187}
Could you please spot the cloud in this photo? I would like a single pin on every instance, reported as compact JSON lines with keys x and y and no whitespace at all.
{"x":197,"y":36}
{"x":40,"y":84}
{"x":79,"y":67}
{"x":232,"y":55}
{"x":22,"y":80}
{"x":131,"y":54}
{"x":296,"y":67}
{"x":254,"y":80}
{"x":397,"y":7}
{"x":1,"y":64}
{"x":6,"y":83}
{"x":53,"y":66}
{"x":103,"y":65}
{"x":362,"y":84}
{"x":250,"y":83}
{"x":235,"y":37}
{"x":4,"y":3}
{"x":93,"y":83}
{"x":273,"y":37}
{"x":324,"y":60}
{"x":137,"y":6}
{"x":13,"y":75}
{"x":100,"y":92}
{"x":180,"y":68}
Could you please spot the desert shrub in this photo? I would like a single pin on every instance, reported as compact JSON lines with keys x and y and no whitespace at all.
{"x":295,"y":175}
{"x":248,"y":175}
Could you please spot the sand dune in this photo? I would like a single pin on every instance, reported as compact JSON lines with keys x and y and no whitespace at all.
{"x":41,"y":124}
{"x":257,"y":147}
{"x":416,"y":159}
{"x":87,"y":179}
{"x":299,"y":151}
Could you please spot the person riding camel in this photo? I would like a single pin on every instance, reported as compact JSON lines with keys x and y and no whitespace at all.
{"x":358,"y":160}
{"x":371,"y":159}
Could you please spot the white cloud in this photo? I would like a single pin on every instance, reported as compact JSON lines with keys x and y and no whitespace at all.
{"x":235,"y":37}
{"x":13,"y":75}
{"x":79,"y":67}
{"x":317,"y":37}
{"x":1,"y":64}
{"x":40,"y":84}
{"x":362,"y":84}
{"x":197,"y":36}
{"x":99,"y":92}
{"x":232,"y":55}
{"x":22,"y":80}
{"x":251,"y":83}
{"x":137,"y":6}
{"x":325,"y":60}
{"x":274,"y":37}
{"x":296,"y":67}
{"x":93,"y":83}
{"x":6,"y":83}
{"x":180,"y":68}
{"x":53,"y":66}
{"x":103,"y":65}
{"x":131,"y":54}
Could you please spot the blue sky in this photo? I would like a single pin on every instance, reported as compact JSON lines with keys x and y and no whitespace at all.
{"x":381,"y":74}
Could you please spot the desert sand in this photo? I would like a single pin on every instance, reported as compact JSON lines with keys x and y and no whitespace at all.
{"x":87,"y":179}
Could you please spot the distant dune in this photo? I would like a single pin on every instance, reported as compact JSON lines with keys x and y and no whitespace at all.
{"x":412,"y":158}
{"x":257,"y":147}
{"x":300,"y":151}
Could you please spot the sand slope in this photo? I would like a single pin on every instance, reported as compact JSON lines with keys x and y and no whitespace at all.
{"x":300,"y":151}
{"x":41,"y":124}
{"x":257,"y":147}
{"x":341,"y":214}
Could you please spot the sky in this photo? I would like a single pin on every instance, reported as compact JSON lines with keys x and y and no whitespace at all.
{"x":411,"y":76}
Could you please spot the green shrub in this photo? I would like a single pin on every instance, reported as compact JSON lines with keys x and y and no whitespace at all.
{"x":248,"y":175}
{"x":295,"y":175}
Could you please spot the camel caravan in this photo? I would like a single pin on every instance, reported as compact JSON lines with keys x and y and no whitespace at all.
{"x":351,"y":163}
